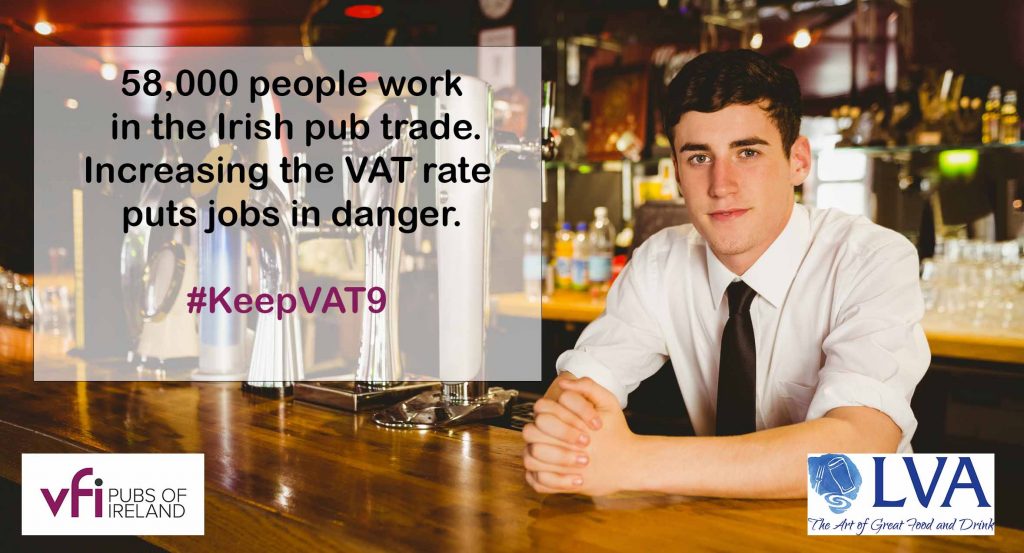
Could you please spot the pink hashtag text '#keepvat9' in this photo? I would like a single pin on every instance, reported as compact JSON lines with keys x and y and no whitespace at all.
{"x":340,"y":300}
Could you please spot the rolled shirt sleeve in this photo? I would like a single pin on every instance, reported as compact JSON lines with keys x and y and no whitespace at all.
{"x":623,"y":346}
{"x":876,"y":352}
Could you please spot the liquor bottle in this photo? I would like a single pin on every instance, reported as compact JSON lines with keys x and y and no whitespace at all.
{"x":990,"y":119}
{"x":533,"y":257}
{"x":1009,"y":121}
{"x":602,"y":247}
{"x":563,"y":256}
{"x":580,"y":258}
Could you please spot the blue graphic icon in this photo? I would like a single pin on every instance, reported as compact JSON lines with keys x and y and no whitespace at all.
{"x":835,"y":478}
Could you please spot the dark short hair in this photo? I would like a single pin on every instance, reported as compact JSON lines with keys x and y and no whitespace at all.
{"x":714,"y":80}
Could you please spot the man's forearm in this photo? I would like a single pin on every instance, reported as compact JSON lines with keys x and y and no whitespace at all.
{"x":767,"y":464}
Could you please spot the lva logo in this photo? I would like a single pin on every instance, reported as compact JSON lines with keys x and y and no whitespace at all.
{"x":965,"y":477}
{"x":900,"y":494}
{"x":77,"y":491}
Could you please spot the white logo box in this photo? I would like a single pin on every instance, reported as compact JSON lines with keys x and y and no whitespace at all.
{"x":875,"y":494}
{"x":150,"y":494}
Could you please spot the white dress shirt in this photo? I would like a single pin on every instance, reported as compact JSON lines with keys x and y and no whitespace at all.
{"x":836,"y":322}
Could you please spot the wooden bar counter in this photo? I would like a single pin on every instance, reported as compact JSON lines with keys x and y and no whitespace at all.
{"x":282,"y":475}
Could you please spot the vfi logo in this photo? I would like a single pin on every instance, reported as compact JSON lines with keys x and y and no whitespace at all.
{"x":77,"y":491}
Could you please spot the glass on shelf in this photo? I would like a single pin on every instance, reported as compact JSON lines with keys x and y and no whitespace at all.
{"x":53,"y":311}
{"x":606,"y":166}
{"x":920,"y":148}
{"x":975,"y":284}
{"x":17,"y":306}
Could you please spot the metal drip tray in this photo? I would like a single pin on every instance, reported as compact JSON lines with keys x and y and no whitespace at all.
{"x":522,"y":414}
{"x":356,"y":396}
{"x":432,"y":410}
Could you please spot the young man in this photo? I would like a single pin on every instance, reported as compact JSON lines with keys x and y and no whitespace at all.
{"x":792,"y":330}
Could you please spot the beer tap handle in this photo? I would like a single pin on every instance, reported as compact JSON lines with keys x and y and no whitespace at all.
{"x":547,"y":112}
{"x":547,"y":142}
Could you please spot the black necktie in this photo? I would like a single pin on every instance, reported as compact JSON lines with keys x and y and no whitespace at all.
{"x":737,"y":368}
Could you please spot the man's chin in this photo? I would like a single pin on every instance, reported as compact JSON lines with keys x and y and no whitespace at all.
{"x":723,"y":246}
{"x":725,"y":241}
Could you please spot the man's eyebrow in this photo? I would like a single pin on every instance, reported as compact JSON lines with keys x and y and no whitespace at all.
{"x":750,"y":141}
{"x":691,"y":147}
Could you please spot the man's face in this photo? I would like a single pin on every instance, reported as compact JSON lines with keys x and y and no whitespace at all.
{"x":737,"y":179}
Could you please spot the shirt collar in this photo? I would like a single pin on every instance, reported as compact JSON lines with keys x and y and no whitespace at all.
{"x":773,"y":272}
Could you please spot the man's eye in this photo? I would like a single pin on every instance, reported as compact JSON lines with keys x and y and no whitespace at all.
{"x":699,"y":159}
{"x":748,"y":153}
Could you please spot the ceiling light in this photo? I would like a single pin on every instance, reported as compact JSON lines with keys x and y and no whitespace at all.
{"x":802,"y":38}
{"x":71,"y":103}
{"x":363,"y":11}
{"x":44,"y":27}
{"x":756,"y":41}
{"x":108,"y":71}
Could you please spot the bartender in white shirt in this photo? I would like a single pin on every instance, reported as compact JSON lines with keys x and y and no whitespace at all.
{"x":792,"y":330}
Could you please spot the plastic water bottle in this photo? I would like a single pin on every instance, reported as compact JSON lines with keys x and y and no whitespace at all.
{"x":602,"y":248}
{"x":533,"y":257}
{"x":580,"y":258}
{"x":563,"y":256}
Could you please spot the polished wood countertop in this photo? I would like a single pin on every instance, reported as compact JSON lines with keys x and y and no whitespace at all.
{"x":282,"y":475}
{"x":946,"y":340}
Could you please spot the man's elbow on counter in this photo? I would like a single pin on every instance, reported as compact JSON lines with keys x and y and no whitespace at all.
{"x":867,"y":430}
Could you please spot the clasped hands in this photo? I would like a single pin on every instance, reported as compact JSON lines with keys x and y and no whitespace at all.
{"x":579,"y":441}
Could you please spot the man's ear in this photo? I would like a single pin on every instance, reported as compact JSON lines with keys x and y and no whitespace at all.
{"x":799,"y":161}
{"x":675,"y":169}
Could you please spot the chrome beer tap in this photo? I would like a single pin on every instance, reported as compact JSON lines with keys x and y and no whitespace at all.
{"x":276,"y":362}
{"x":379,"y":379}
{"x":463,"y":261}
{"x":275,"y":357}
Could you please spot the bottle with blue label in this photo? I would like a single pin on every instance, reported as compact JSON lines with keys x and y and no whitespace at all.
{"x":563,"y":256}
{"x":580,"y":258}
{"x":602,"y":247}
{"x":533,"y":257}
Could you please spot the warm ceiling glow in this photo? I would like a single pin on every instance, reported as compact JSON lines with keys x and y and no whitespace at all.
{"x":44,"y":27}
{"x":364,"y":11}
{"x":108,"y":71}
{"x":756,"y":41}
{"x":71,"y":103}
{"x":802,"y":39}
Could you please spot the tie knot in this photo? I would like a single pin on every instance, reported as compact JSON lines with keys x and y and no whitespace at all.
{"x":740,"y":297}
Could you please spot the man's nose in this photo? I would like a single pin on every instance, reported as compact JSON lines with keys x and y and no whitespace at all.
{"x":723,"y":180}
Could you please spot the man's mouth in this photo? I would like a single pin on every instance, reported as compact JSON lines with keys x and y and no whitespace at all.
{"x":728,"y":214}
